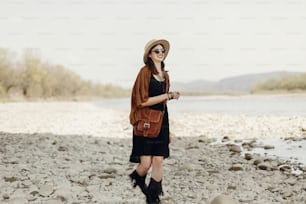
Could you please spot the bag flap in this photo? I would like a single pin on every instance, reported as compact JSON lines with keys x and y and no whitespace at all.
{"x":154,"y":116}
{"x":151,"y":115}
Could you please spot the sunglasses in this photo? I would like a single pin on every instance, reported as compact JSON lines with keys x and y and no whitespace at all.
{"x":158,"y":51}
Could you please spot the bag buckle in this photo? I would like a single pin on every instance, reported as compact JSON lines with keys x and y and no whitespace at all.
{"x":146,"y":125}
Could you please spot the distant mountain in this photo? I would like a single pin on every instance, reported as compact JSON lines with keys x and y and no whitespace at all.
{"x":243,"y":83}
{"x":198,"y":86}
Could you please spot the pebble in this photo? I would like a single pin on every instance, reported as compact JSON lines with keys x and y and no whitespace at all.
{"x":10,"y":179}
{"x":287,"y":194}
{"x":225,"y":139}
{"x":285,"y":168}
{"x":248,"y":156}
{"x":236,"y":167}
{"x":110,"y":170}
{"x":5,"y":196}
{"x":264,"y":166}
{"x":234,"y":148}
{"x":62,"y":149}
{"x":268,"y":147}
{"x":257,"y":161}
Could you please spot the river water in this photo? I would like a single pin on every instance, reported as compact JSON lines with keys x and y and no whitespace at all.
{"x":278,"y":105}
{"x":271,"y":105}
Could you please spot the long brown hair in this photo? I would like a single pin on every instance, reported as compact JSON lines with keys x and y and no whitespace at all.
{"x":151,"y":65}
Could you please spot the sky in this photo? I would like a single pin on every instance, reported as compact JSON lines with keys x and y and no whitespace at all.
{"x":103,"y":40}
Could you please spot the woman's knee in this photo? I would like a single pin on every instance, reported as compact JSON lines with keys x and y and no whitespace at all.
{"x":157,"y":161}
{"x":146,"y":162}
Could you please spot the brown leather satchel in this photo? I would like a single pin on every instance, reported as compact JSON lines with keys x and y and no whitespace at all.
{"x":150,"y":125}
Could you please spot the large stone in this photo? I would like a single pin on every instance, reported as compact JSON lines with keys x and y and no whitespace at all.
{"x":223,"y":199}
{"x":186,"y":167}
{"x":236,"y":167}
{"x":285,"y":168}
{"x":110,"y":170}
{"x":63,"y":192}
{"x":264,"y":166}
{"x":46,"y":190}
{"x":291,"y":181}
{"x":248,"y":156}
{"x":32,"y":197}
{"x":62,"y":149}
{"x":257,"y":161}
{"x":106,"y":176}
{"x":5,"y":196}
{"x":286,"y":194}
{"x":234,"y":148}
{"x":26,"y":183}
{"x":225,"y":139}
{"x":231,"y":187}
{"x":10,"y":179}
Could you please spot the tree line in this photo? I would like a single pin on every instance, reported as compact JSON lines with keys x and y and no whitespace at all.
{"x":290,"y":83}
{"x":34,"y":78}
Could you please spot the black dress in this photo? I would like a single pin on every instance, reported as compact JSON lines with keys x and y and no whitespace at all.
{"x":153,"y":146}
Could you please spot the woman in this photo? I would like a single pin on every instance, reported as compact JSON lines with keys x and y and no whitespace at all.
{"x":151,"y":90}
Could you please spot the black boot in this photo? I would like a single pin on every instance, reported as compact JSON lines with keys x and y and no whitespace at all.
{"x":139,"y":181}
{"x":154,"y":191}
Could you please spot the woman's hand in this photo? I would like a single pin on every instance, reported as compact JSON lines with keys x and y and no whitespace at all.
{"x":173,"y":95}
{"x":176,"y":95}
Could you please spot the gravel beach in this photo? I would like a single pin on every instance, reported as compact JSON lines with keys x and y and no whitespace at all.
{"x":75,"y":152}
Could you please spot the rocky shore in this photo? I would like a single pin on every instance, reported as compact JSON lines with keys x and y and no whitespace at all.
{"x":47,"y":168}
{"x":41,"y":162}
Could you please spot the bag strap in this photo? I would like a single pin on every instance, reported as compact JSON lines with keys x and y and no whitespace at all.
{"x":166,"y":88}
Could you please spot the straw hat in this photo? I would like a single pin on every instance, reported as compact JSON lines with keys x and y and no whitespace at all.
{"x":153,"y":43}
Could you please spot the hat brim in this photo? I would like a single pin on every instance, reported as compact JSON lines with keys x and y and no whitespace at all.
{"x":162,"y":42}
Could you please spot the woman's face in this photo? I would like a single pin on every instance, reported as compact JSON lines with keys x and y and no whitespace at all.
{"x":157,"y":53}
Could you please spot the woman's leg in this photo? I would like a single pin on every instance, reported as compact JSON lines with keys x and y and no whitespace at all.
{"x":138,"y":176}
{"x":157,"y":168}
{"x":155,"y":186}
{"x":144,"y":165}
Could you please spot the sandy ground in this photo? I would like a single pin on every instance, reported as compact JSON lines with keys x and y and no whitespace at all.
{"x":75,"y":152}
